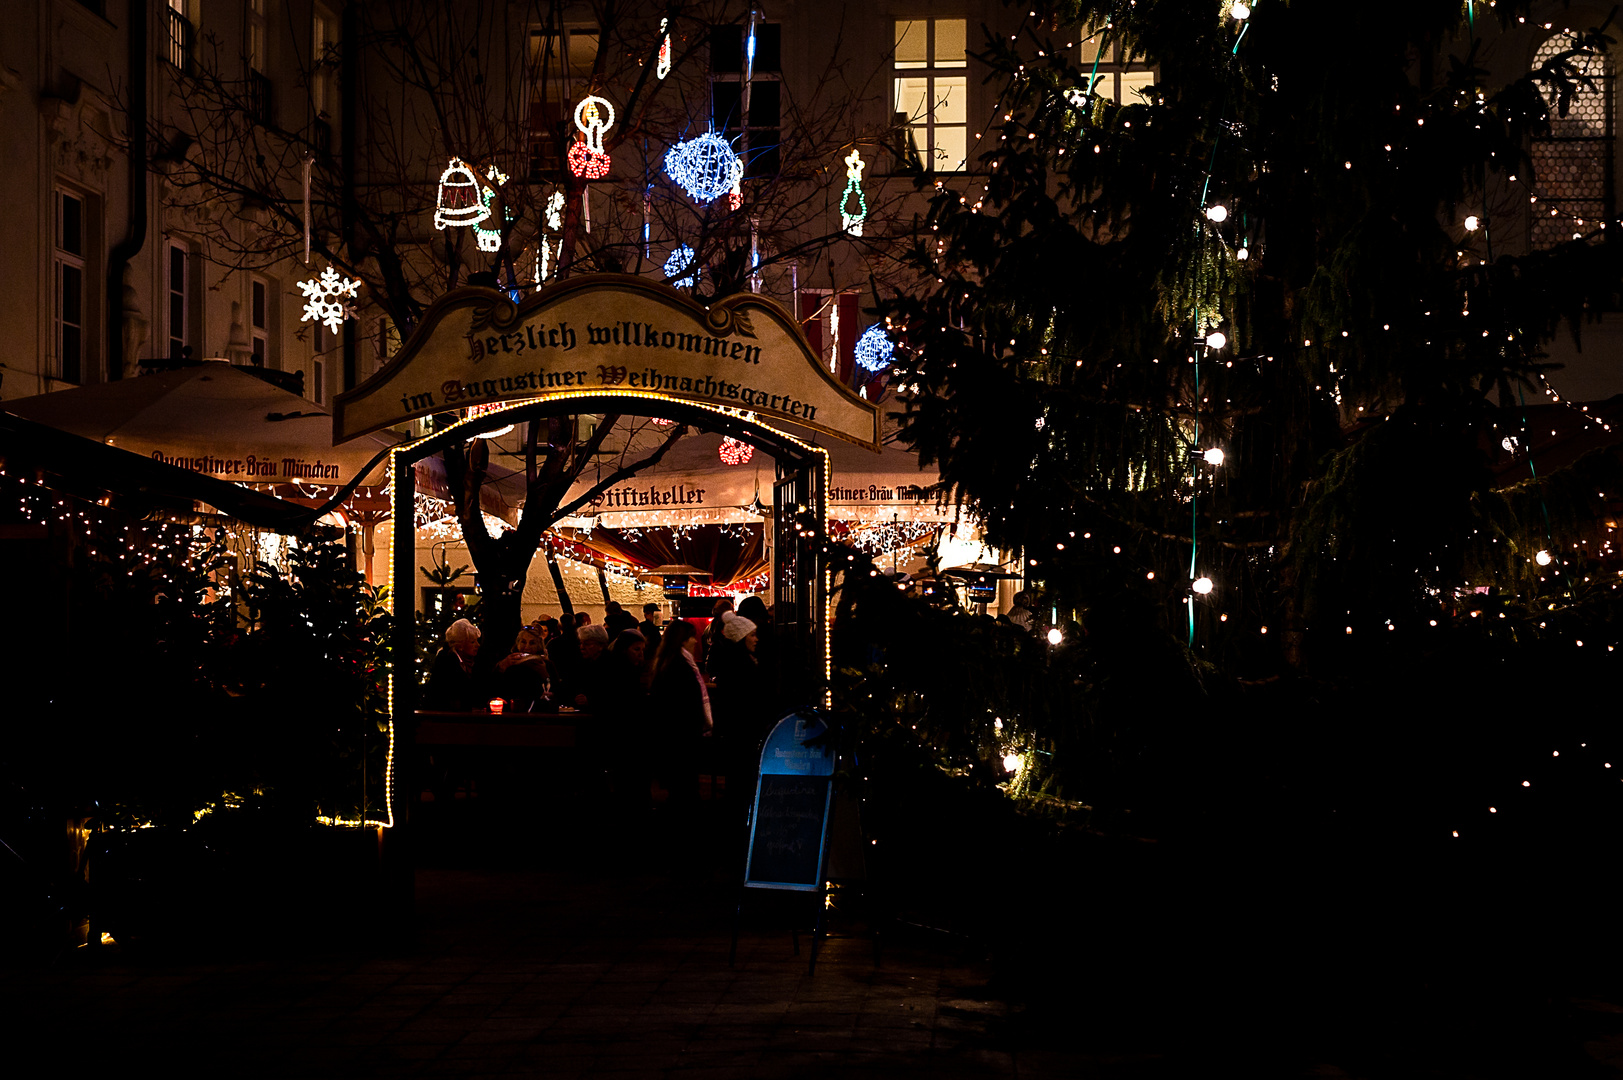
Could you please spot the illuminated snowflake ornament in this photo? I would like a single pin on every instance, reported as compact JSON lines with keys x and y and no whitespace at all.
{"x":733,"y":452}
{"x":874,"y":349}
{"x":851,"y":219}
{"x":587,"y":158}
{"x":705,"y":167}
{"x":325,"y":299}
{"x":683,"y":261}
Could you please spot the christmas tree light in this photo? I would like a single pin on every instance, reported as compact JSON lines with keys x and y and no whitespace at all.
{"x":733,"y":452}
{"x":851,"y":220}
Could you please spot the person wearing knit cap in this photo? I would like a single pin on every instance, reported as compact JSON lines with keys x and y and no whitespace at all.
{"x":736,"y":628}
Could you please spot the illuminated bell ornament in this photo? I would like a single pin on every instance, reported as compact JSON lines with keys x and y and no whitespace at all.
{"x":733,"y":452}
{"x":874,"y":349}
{"x":587,"y":158}
{"x":1216,"y":339}
{"x":851,"y":220}
{"x":1218,"y":213}
{"x":460,"y":202}
{"x":682,"y":260}
{"x":705,"y":167}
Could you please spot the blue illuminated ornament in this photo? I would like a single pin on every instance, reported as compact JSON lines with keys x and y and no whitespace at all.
{"x":683,"y":259}
{"x":874,"y":349}
{"x":705,"y":167}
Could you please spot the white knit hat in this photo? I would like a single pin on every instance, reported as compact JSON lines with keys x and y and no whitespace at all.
{"x":736,"y":627}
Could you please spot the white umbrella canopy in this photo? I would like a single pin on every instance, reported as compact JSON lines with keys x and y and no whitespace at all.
{"x":213,"y":419}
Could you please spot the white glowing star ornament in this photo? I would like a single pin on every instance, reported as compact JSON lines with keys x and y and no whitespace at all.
{"x":325,"y":299}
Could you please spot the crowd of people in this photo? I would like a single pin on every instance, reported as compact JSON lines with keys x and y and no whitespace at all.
{"x":674,"y":702}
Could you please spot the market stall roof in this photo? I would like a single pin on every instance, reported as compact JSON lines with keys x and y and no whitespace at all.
{"x":692,"y":486}
{"x":136,"y":484}
{"x":211,"y":418}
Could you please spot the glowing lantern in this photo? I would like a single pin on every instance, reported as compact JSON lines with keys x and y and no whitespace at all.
{"x":733,"y":452}
{"x":460,"y":202}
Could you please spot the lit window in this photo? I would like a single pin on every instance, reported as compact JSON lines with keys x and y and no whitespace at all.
{"x":1118,"y":75}
{"x":1572,"y":167}
{"x":560,"y":75}
{"x":931,"y":102}
{"x":740,"y":65}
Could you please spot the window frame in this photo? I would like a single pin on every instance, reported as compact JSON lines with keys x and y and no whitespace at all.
{"x":548,"y":135}
{"x":760,"y":162}
{"x":1112,"y":69}
{"x":262,"y":321}
{"x":931,"y":69}
{"x":1605,"y":144}
{"x":178,"y":328}
{"x":66,"y":263}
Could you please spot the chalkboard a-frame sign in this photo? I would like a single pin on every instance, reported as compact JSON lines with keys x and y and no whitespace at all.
{"x":789,"y":822}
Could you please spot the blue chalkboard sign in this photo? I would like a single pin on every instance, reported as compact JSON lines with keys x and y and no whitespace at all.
{"x":789,"y":821}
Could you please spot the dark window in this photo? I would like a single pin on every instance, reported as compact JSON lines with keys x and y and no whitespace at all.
{"x":69,"y":316}
{"x":756,"y":136}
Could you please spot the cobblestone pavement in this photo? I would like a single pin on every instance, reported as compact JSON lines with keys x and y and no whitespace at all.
{"x":529,"y":974}
{"x":559,"y":973}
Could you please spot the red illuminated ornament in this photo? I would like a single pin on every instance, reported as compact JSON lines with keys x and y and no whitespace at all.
{"x":587,"y":163}
{"x":733,"y":452}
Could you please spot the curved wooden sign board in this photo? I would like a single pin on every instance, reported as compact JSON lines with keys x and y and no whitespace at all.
{"x":607,"y":332}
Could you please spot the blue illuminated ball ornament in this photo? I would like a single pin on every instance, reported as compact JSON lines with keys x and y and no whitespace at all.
{"x":682,"y":259}
{"x":874,"y":349}
{"x":705,"y":167}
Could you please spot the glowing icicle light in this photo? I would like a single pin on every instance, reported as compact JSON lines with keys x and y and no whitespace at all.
{"x":663,"y":68}
{"x":684,"y":260}
{"x":459,"y":201}
{"x":1218,"y":213}
{"x":326,"y":299}
{"x":733,"y":452}
{"x":874,"y":349}
{"x":1214,"y":456}
{"x":587,"y":158}
{"x":1202,"y":585}
{"x":705,"y":167}
{"x":851,"y":220}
